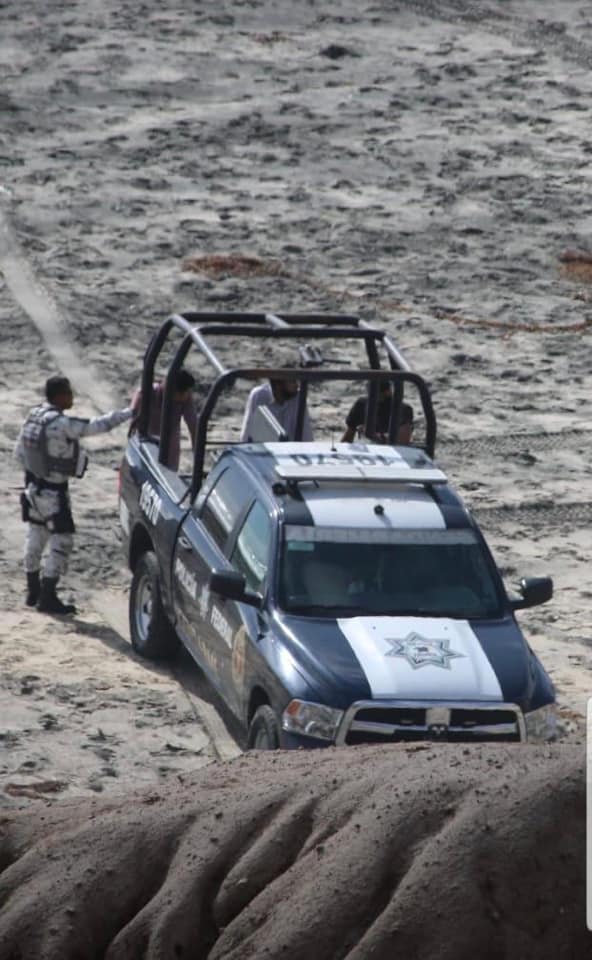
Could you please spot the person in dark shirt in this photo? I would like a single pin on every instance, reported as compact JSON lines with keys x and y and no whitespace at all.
{"x":356,"y":419}
{"x":183,"y":408}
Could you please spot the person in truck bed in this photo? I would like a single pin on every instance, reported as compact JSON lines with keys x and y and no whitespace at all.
{"x":356,"y":419}
{"x":281,"y":398}
{"x":184,"y":407}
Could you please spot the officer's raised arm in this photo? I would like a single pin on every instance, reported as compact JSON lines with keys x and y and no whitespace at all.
{"x":77,"y":427}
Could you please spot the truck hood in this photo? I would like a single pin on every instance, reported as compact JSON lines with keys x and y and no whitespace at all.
{"x":413,"y":658}
{"x":421,"y":658}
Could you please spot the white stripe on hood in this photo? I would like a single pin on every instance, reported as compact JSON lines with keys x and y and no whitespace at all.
{"x":426,"y":658}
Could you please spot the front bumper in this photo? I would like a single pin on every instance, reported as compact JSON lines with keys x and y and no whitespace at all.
{"x":388,"y":721}
{"x":396,"y":721}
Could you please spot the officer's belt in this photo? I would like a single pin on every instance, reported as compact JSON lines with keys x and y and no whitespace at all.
{"x":48,"y":485}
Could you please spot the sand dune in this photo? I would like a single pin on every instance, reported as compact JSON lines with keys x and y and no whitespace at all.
{"x":414,"y":851}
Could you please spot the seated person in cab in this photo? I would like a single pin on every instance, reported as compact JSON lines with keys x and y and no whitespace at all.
{"x":356,"y":419}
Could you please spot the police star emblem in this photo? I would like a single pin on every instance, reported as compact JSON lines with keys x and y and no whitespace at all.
{"x":420,"y":651}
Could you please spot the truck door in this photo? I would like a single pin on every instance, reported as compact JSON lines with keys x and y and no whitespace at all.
{"x":200,"y":549}
{"x":249,"y":554}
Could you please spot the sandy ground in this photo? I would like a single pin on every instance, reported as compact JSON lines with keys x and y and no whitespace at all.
{"x":425,"y":168}
{"x":422,"y":164}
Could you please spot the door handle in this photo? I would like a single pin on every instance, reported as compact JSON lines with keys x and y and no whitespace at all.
{"x":185,"y":543}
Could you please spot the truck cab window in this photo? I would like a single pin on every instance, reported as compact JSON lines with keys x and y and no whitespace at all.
{"x":224,"y":504}
{"x":251,"y":553}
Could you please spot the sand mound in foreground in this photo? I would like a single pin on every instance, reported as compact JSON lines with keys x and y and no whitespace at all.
{"x":428,"y":852}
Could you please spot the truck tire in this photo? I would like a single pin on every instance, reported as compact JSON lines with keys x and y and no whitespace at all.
{"x":264,"y":730}
{"x":151,"y":632}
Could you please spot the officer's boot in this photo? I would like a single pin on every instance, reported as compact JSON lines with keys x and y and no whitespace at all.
{"x":49,"y":602}
{"x":33,"y":588}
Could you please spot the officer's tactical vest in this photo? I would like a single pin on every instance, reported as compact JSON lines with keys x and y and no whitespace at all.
{"x":37,"y":457}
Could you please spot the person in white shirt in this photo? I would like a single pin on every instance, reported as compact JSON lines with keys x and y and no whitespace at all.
{"x":281,"y":399}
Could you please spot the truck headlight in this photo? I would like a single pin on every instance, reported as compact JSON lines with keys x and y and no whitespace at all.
{"x":541,"y":724}
{"x":311,"y":719}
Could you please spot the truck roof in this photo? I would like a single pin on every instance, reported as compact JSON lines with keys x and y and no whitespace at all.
{"x":352,"y":485}
{"x":336,"y":463}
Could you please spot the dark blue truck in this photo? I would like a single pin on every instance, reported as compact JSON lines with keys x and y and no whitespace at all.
{"x":333,"y":593}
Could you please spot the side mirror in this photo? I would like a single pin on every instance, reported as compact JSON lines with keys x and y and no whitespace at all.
{"x":533,"y":591}
{"x":232,"y":585}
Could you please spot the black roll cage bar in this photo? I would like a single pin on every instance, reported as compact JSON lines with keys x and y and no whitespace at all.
{"x":193,"y":325}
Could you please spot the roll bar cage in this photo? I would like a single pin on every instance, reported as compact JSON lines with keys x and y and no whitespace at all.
{"x":197,"y":327}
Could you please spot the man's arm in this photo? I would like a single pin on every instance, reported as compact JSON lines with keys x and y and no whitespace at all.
{"x":190,"y":418}
{"x":136,"y":401}
{"x":76,"y":427}
{"x":355,"y":418}
{"x":306,"y":427}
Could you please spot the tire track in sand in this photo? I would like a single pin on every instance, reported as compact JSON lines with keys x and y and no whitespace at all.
{"x":40,"y":306}
{"x":108,"y":605}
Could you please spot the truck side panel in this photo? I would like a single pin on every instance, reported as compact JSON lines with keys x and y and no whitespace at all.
{"x":153,"y":502}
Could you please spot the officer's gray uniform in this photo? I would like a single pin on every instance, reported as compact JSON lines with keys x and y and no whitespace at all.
{"x":47,"y":472}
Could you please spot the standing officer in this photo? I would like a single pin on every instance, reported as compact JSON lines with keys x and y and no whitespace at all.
{"x":49,"y":451}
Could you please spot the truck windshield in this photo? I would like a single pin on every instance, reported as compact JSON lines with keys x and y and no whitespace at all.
{"x":355,"y":572}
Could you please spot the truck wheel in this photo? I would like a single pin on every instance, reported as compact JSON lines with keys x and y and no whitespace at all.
{"x":151,"y":632}
{"x":264,"y":731}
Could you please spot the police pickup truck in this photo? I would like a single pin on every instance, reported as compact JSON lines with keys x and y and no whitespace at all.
{"x":333,"y":593}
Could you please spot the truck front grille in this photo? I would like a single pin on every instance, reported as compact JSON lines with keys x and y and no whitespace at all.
{"x":388,"y":722}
